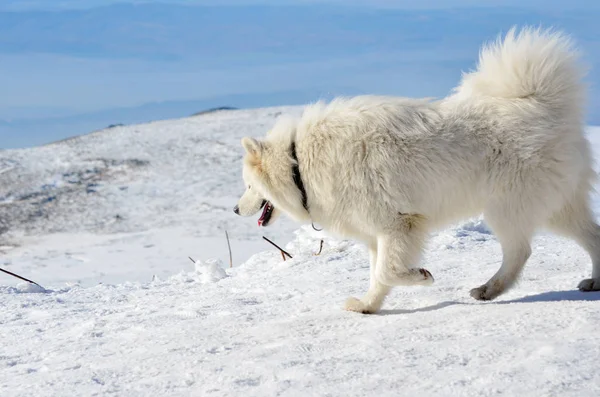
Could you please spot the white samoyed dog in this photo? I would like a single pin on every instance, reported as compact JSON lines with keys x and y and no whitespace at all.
{"x":508,"y":143}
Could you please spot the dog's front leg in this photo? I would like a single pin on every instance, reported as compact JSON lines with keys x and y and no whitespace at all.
{"x":373,"y":300}
{"x":399,"y":250}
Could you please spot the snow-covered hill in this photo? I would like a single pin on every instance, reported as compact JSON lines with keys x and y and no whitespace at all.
{"x":127,"y":204}
{"x":137,"y":186}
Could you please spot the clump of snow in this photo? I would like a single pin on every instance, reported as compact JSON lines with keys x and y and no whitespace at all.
{"x":464,"y":235}
{"x":28,"y":288}
{"x":210,"y":270}
{"x":473,"y":225}
{"x":205,"y":272}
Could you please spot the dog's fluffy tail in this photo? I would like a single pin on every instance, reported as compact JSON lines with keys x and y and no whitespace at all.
{"x":532,"y":63}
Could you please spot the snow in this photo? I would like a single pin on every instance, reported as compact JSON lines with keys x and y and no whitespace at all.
{"x":29,"y":288}
{"x":126,"y":312}
{"x":77,"y":206}
{"x":211,"y":270}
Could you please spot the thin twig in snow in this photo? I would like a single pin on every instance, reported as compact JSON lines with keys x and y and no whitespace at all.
{"x":229,"y":246}
{"x":6,"y":169}
{"x":320,"y":249}
{"x":22,"y":278}
{"x":283,"y":252}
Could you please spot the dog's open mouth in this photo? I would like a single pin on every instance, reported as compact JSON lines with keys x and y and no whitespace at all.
{"x":265,"y":217}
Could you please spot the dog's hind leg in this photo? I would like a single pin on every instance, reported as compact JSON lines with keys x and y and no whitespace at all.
{"x":399,"y":250}
{"x":576,"y":220}
{"x":372,"y":301}
{"x":513,"y":229}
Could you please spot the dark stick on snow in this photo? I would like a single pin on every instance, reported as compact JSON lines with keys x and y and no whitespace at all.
{"x":278,"y":247}
{"x":22,"y":278}
{"x":229,"y":246}
{"x":193,"y":261}
{"x":320,"y":249}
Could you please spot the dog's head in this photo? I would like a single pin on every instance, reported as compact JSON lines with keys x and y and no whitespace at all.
{"x":268,"y":177}
{"x":256,"y":196}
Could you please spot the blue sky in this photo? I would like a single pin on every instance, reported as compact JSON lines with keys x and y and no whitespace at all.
{"x":63,"y":62}
{"x":404,"y":4}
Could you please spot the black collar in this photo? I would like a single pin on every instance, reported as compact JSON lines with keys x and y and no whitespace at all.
{"x":297,"y":177}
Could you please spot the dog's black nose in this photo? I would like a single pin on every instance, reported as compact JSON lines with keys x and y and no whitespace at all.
{"x":236,"y":209}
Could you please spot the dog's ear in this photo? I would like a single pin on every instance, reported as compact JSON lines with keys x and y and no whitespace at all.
{"x":252,"y":146}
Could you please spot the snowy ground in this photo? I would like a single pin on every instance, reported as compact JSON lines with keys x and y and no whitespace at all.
{"x":80,"y":210}
{"x":267,"y":326}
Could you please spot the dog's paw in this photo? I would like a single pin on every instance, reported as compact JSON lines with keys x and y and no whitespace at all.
{"x":406,"y":277}
{"x":483,"y":293}
{"x":426,"y":277}
{"x":589,"y":284}
{"x":356,"y":305}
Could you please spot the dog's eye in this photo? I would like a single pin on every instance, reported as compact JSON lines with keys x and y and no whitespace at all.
{"x":249,"y":187}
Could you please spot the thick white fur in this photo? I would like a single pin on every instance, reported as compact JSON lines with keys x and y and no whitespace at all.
{"x":509,"y":143}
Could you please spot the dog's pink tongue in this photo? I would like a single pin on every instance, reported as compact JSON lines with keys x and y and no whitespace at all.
{"x":262,"y":217}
